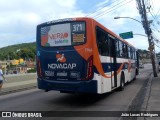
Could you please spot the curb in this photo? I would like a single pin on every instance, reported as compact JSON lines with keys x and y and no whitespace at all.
{"x":134,"y":100}
{"x":146,"y":98}
{"x":145,"y":103}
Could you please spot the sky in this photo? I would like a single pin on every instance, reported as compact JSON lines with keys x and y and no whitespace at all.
{"x":19,"y":18}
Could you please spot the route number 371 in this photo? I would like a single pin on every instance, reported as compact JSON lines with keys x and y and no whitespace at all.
{"x":77,"y":27}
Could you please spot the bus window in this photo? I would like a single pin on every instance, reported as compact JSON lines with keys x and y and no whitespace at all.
{"x":112,"y":46}
{"x":129,"y":53}
{"x":102,"y":42}
{"x":132,"y":56}
{"x":121,"y":49}
{"x":117,"y":48}
{"x":126,"y":51}
{"x":135,"y":55}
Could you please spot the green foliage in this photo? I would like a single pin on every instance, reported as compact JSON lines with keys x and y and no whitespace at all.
{"x":31,"y":71}
{"x":144,"y":54}
{"x":25,"y":51}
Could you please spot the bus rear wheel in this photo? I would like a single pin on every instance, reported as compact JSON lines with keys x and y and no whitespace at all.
{"x":121,"y":88}
{"x":136,"y":73}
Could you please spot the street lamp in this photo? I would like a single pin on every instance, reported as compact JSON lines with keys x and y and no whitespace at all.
{"x":129,"y":18}
{"x":140,"y":35}
{"x":149,"y":35}
{"x":149,"y":21}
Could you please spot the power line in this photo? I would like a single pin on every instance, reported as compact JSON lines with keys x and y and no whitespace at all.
{"x":154,"y":17}
{"x":148,"y":31}
{"x":102,"y":7}
{"x":100,"y":12}
{"x":152,"y":4}
{"x":155,"y":27}
{"x":157,"y":14}
{"x":158,"y":41}
{"x":155,"y":35}
{"x":105,"y":12}
{"x":157,"y":46}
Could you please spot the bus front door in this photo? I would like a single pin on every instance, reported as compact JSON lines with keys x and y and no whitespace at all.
{"x":113,"y":60}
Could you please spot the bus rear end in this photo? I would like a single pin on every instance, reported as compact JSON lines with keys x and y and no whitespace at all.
{"x":64,"y":56}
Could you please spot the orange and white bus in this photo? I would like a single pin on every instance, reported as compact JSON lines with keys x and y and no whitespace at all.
{"x":81,"y":55}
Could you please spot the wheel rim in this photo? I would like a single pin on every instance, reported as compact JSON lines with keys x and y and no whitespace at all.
{"x":122,"y":84}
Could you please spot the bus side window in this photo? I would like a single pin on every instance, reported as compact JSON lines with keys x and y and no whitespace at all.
{"x":123,"y":50}
{"x":120,"y":49}
{"x":98,"y":40}
{"x":113,"y":46}
{"x":102,"y":42}
{"x":117,"y":48}
{"x":135,"y":55}
{"x":107,"y":45}
{"x":129,"y":53}
{"x":126,"y":51}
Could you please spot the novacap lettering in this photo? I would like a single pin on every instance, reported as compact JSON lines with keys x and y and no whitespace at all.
{"x":62,"y":66}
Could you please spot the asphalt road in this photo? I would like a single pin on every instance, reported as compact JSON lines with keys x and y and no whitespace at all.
{"x":38,"y":100}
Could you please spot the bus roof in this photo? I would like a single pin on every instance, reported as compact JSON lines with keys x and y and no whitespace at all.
{"x":90,"y":19}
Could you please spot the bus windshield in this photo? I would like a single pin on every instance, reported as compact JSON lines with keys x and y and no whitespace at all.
{"x":64,"y":34}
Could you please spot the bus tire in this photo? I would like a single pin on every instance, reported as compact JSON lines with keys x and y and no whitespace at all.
{"x":136,"y":73}
{"x":122,"y":82}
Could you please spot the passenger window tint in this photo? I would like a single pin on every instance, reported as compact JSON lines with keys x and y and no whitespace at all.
{"x":102,"y":42}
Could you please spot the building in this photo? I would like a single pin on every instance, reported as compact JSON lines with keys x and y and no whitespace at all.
{"x":17,"y":66}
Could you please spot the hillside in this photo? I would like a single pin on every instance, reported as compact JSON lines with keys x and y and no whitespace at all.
{"x":28,"y":51}
{"x":24,"y":50}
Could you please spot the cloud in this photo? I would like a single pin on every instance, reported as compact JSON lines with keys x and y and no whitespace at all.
{"x":19,"y":18}
{"x":124,"y":24}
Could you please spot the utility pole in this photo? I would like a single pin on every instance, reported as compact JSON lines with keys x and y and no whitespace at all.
{"x":148,"y":31}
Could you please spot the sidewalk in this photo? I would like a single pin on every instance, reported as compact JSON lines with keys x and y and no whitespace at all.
{"x":154,"y":98}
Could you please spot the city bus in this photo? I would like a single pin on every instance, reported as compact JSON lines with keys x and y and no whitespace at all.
{"x":80,"y":55}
